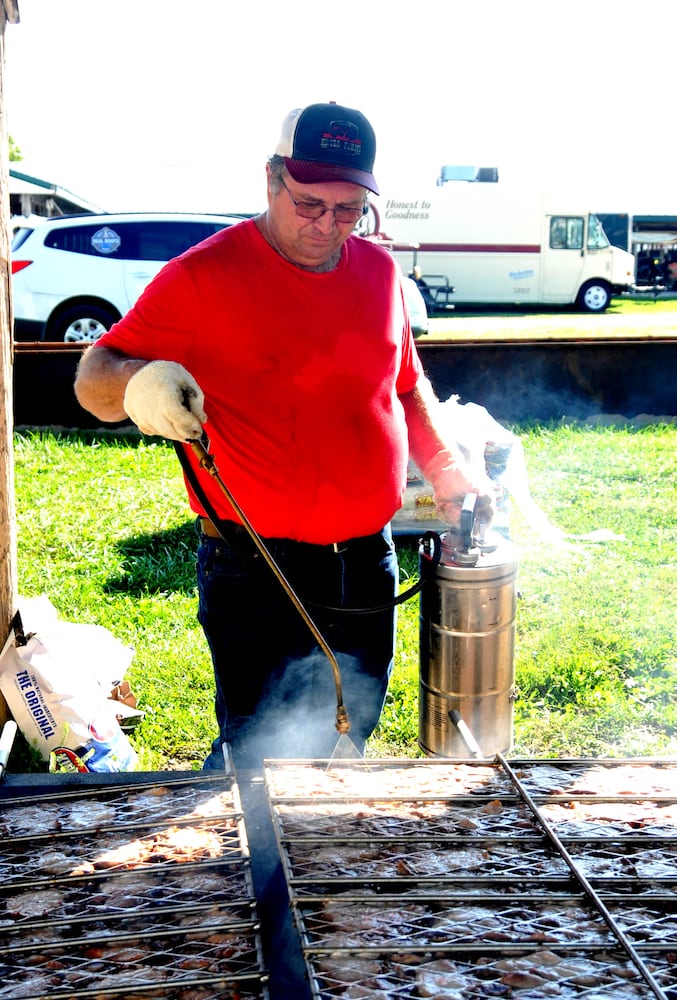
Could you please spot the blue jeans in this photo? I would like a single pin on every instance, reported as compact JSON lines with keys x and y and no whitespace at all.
{"x":275,"y":689}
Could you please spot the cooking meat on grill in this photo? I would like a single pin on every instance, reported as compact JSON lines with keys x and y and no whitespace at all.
{"x":392,"y":819}
{"x":33,"y":903}
{"x":611,"y":778}
{"x":440,"y":979}
{"x":385,"y":860}
{"x":186,"y":844}
{"x":354,"y":977}
{"x":88,"y":814}
{"x":39,"y":984}
{"x":177,"y":844}
{"x":184,"y":804}
{"x":359,"y":925}
{"x":377,"y":782}
{"x":99,"y":810}
{"x":540,"y":974}
{"x":605,"y":819}
{"x":28,"y":819}
{"x":425,"y":859}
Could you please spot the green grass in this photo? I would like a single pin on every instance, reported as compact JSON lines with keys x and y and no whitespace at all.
{"x":103,"y":530}
{"x":621,"y":305}
{"x":627,"y":316}
{"x":629,"y":305}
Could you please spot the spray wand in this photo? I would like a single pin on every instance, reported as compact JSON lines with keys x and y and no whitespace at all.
{"x":207,"y":463}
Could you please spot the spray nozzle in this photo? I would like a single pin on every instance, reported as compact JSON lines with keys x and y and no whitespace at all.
{"x":342,"y":720}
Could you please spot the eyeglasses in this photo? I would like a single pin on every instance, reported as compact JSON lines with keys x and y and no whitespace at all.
{"x":316,"y":209}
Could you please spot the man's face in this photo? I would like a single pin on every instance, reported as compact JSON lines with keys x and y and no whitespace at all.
{"x":311,"y":242}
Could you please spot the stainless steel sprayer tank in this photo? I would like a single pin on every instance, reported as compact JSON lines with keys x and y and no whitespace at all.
{"x":467,"y":643}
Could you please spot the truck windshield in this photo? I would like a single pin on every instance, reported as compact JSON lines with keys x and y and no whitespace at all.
{"x":597,"y":238}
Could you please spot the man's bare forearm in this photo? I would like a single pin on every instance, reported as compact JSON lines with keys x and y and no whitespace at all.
{"x":101,"y":380}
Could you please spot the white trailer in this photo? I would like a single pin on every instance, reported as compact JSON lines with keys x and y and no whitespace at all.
{"x":482,"y":243}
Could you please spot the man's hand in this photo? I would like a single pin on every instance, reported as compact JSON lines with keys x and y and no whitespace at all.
{"x":451,"y":480}
{"x":164,"y":399}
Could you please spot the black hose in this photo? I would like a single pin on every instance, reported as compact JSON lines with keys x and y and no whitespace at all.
{"x":430,"y":538}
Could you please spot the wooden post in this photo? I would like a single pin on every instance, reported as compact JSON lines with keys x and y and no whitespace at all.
{"x":9,"y":12}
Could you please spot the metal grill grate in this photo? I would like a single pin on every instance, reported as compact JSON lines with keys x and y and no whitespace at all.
{"x":129,"y":890}
{"x":483,"y":879}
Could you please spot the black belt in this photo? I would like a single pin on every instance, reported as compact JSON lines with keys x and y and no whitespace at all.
{"x":235,"y":534}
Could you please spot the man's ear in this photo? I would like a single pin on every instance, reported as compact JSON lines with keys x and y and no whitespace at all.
{"x":269,"y":182}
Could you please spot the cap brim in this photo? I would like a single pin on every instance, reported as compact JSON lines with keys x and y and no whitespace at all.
{"x":311,"y":172}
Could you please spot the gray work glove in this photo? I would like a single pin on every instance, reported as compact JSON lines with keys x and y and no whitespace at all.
{"x":164,"y":399}
{"x":451,"y":480}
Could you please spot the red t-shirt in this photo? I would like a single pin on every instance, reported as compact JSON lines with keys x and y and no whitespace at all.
{"x":301,"y":373}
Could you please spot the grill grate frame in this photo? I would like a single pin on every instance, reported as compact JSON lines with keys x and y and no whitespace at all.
{"x":172,"y":914}
{"x":558,"y":865}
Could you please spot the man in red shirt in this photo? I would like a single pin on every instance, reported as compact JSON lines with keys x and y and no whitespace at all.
{"x":286,"y":339}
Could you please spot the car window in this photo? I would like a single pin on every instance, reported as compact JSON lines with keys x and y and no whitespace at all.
{"x":20,"y":236}
{"x":164,"y":240}
{"x":153,"y":240}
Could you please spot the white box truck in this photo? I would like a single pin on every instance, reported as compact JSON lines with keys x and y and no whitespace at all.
{"x":481,"y":243}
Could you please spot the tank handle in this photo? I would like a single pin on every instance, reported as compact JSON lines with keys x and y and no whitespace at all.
{"x":468,"y":521}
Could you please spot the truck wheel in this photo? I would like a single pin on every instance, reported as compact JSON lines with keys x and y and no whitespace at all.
{"x":594,"y":296}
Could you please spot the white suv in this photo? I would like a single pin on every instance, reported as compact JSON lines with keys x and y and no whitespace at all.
{"x":74,"y":276}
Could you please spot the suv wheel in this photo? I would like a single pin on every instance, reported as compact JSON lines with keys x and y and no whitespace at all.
{"x":81,"y":324}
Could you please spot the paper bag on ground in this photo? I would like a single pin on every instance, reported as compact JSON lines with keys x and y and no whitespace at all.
{"x":57,"y":686}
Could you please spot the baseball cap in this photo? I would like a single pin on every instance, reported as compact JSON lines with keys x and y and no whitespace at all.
{"x":328,"y":142}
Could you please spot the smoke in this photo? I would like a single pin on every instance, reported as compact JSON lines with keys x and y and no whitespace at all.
{"x":547,"y":380}
{"x":487,"y":444}
{"x":296,"y":718}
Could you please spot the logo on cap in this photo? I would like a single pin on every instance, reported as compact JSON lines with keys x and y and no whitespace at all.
{"x":343,"y":136}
